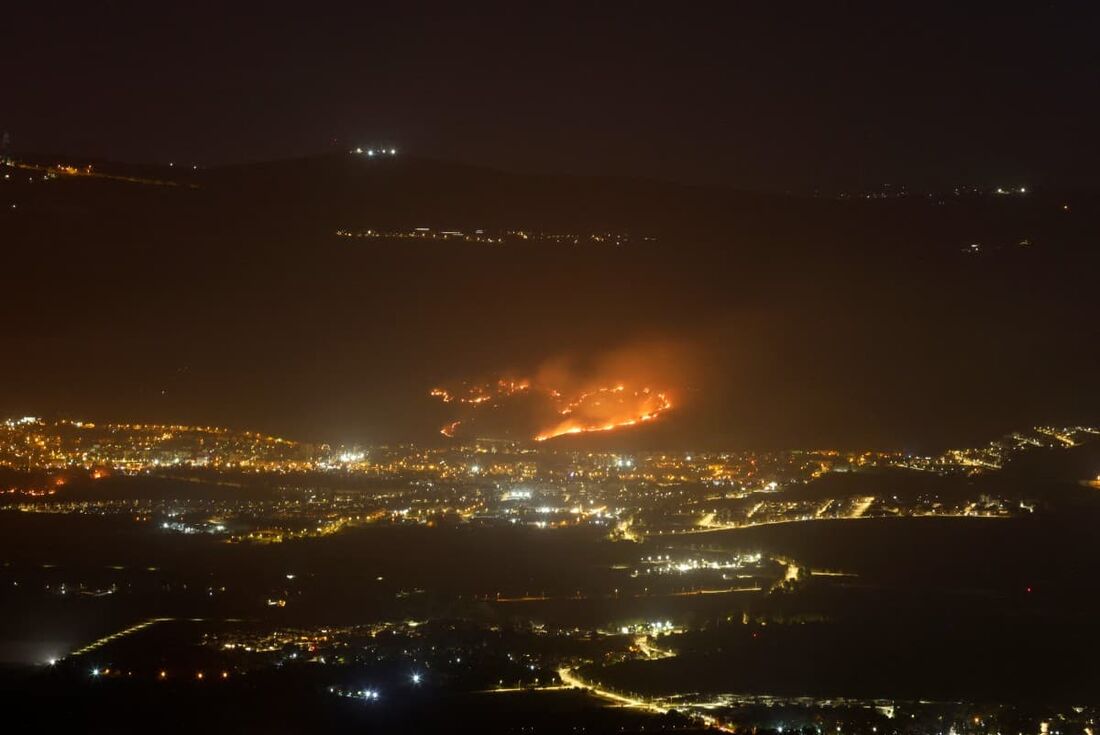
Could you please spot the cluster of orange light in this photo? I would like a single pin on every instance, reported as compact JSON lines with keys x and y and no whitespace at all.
{"x":606,"y":409}
{"x":31,"y":491}
{"x":601,"y":409}
{"x":476,"y":394}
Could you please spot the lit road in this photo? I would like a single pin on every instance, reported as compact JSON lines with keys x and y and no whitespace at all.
{"x":99,"y":643}
{"x":861,"y":506}
{"x":786,"y":521}
{"x":650,"y":651}
{"x":507,"y":690}
{"x":570,"y":679}
{"x":723,"y":591}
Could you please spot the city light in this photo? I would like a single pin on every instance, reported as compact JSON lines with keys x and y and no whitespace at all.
{"x":372,"y":152}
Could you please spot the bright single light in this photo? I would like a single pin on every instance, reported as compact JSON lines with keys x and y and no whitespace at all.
{"x":52,"y":661}
{"x":416,"y":678}
{"x":95,"y":672}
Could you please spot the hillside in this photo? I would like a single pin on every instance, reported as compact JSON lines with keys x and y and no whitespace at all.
{"x":120,"y":279}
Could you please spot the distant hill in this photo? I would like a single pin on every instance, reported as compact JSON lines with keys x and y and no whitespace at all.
{"x":229,"y":298}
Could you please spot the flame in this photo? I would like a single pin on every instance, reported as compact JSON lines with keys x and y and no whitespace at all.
{"x":600,"y":408}
{"x":596,"y":390}
{"x":607,"y":409}
{"x":483,"y":393}
{"x":442,"y":394}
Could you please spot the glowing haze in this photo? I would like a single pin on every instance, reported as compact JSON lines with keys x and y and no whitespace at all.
{"x":607,"y":408}
{"x":566,"y":396}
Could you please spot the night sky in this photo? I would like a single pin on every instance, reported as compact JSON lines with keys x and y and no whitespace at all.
{"x":774,"y":96}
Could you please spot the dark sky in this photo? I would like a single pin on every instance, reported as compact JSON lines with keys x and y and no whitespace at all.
{"x":776,"y":95}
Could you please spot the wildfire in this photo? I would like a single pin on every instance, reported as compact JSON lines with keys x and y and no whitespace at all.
{"x":482,"y":393}
{"x":607,"y":409}
{"x":600,"y":408}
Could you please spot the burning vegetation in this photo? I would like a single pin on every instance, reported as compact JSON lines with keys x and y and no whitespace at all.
{"x":620,"y":391}
{"x":606,"y":409}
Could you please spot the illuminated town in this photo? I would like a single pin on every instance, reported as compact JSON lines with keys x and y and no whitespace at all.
{"x":492,"y":237}
{"x":479,"y":482}
{"x":661,"y":521}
